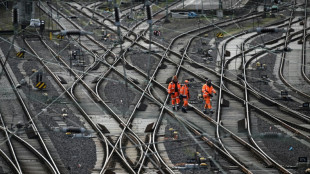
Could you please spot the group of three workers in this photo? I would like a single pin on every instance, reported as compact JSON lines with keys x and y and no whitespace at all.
{"x":179,"y":92}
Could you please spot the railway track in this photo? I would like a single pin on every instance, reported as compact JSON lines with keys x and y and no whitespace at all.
{"x":23,"y":149}
{"x":132,"y":145}
{"x":284,"y":58}
{"x":114,"y":115}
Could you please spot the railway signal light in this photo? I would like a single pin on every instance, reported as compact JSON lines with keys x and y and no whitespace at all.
{"x":149,"y":13}
{"x":15,"y":16}
{"x":116,"y":13}
{"x":42,"y":26}
{"x":74,"y":54}
{"x":39,"y":77}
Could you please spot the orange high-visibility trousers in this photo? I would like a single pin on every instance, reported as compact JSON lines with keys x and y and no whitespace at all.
{"x":175,"y":98}
{"x":185,"y":102}
{"x":208,"y":103}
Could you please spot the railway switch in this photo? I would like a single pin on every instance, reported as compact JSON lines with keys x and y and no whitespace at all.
{"x":224,"y":103}
{"x":284,"y":95}
{"x":103,"y":128}
{"x":149,"y":128}
{"x":227,"y":53}
{"x":242,"y":125}
{"x":30,"y":131}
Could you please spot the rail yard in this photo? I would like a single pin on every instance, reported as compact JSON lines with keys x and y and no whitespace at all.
{"x":155,"y":87}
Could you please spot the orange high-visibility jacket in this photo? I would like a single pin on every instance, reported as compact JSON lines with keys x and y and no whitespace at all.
{"x":172,"y":87}
{"x":207,"y":90}
{"x":184,"y":91}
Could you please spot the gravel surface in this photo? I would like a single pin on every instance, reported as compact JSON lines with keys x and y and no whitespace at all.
{"x":279,"y":147}
{"x":121,"y":99}
{"x":141,"y":61}
{"x":254,"y":78}
{"x":4,"y":168}
{"x":183,"y":149}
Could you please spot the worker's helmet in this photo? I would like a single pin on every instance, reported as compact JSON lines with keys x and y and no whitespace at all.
{"x":209,"y":82}
{"x":175,"y":79}
{"x":186,"y":81}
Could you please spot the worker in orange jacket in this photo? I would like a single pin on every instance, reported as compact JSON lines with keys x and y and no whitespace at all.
{"x":174,"y":90}
{"x":207,"y":91}
{"x":184,"y":93}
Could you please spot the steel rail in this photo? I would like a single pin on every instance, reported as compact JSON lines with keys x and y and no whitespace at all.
{"x":11,"y":148}
{"x":94,"y":126}
{"x":304,"y":44}
{"x":281,"y":68}
{"x":255,"y":93}
{"x":120,"y":73}
{"x":98,"y":98}
{"x":248,"y":118}
{"x":13,"y":165}
{"x":92,"y":92}
{"x":29,"y":147}
{"x":79,"y":78}
{"x":9,"y":161}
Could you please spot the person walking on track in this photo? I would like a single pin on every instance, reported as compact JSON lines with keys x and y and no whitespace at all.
{"x":184,"y":94}
{"x":207,"y":91}
{"x":174,"y":90}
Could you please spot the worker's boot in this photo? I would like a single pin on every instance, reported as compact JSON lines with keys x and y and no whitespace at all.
{"x":211,"y":111}
{"x":184,"y":109}
{"x":173,"y":107}
{"x":205,"y":111}
{"x":178,"y":107}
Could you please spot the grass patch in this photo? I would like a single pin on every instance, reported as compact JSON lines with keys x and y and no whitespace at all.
{"x":6,"y":19}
